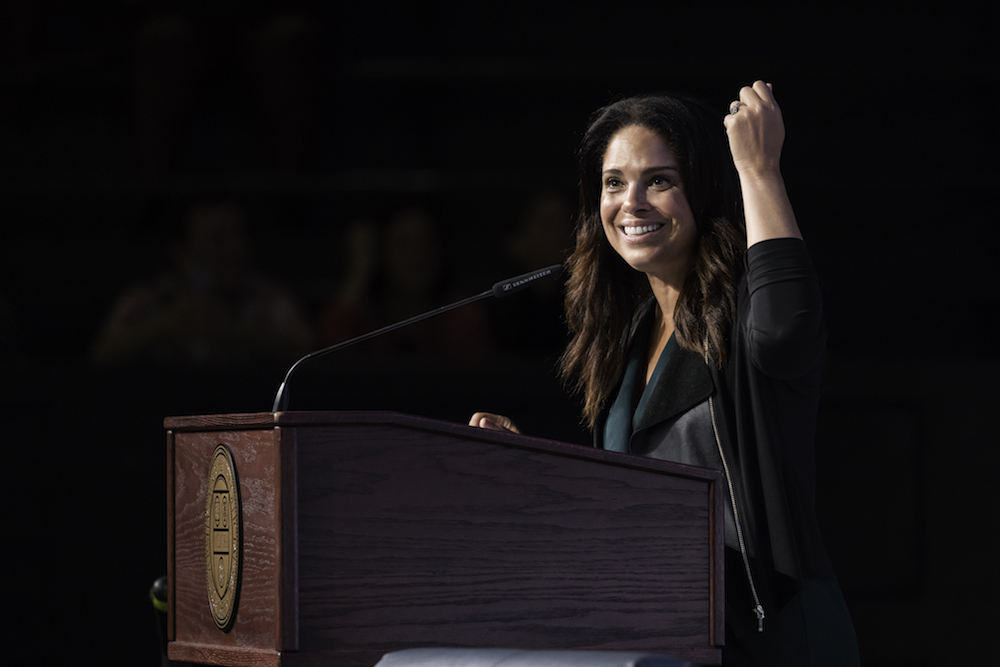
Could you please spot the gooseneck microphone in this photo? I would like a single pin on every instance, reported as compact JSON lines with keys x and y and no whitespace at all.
{"x":500,"y":289}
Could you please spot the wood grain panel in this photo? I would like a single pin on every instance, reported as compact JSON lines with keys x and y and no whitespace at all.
{"x":255,"y":454}
{"x":288,"y":559}
{"x":171,"y":551}
{"x":231,"y":656}
{"x":424,"y":541}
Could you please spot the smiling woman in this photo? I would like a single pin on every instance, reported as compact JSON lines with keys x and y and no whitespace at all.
{"x":697,"y":337}
{"x":648,"y":161}
{"x":645,"y":213}
{"x":648,"y":221}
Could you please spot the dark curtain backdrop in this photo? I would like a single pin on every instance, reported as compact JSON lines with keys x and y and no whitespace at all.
{"x":194,"y":193}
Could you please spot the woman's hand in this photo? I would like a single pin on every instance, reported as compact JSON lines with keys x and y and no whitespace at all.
{"x":493,"y":422}
{"x":756,"y":134}
{"x":756,"y":131}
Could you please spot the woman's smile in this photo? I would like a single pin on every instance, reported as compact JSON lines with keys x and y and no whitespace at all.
{"x":640,"y":232}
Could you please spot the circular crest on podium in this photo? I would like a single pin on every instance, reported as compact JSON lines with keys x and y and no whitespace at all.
{"x":223,"y":547}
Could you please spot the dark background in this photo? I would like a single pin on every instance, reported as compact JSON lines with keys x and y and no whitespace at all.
{"x":115,"y":115}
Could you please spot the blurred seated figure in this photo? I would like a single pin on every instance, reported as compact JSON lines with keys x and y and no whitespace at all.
{"x":532,"y":323}
{"x":393,"y":275}
{"x":211,"y":309}
{"x":349,"y":313}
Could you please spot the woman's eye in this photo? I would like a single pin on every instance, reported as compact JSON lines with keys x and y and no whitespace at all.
{"x":611,"y":183}
{"x":662,"y":183}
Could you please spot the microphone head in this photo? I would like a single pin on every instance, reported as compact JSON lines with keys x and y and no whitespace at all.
{"x":518,"y":283}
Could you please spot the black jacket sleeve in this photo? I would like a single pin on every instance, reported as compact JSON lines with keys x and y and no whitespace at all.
{"x":783,"y":326}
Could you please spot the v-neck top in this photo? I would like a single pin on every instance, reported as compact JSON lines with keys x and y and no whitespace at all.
{"x":669,"y":417}
{"x":633,"y":396}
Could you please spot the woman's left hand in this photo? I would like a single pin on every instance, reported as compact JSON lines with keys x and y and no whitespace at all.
{"x":756,"y":131}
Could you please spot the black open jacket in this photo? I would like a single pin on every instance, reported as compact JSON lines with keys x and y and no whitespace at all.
{"x":766,"y":400}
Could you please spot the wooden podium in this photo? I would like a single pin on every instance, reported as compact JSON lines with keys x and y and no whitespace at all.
{"x":361,"y":533}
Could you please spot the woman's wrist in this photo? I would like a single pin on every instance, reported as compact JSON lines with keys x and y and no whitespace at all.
{"x":760,"y":174}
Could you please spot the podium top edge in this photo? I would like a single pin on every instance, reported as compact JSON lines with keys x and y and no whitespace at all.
{"x":264,"y":420}
{"x":220,"y":421}
{"x":270,"y":420}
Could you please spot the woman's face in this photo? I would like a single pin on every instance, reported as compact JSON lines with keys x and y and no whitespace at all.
{"x":644,"y":211}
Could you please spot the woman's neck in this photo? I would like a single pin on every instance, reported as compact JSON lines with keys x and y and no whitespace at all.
{"x":663,"y":323}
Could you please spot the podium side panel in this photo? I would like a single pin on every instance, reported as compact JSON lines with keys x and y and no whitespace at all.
{"x":288,"y":563}
{"x":258,"y":616}
{"x":171,"y":567}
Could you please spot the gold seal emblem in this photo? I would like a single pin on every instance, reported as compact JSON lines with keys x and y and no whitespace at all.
{"x":223,"y":522}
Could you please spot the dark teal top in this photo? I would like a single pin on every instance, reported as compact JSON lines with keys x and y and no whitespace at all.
{"x":633,"y":395}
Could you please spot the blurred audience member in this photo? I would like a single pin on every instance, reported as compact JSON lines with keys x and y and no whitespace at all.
{"x":532,"y":321}
{"x":544,"y":235}
{"x":211,"y":309}
{"x":351,"y":312}
{"x":394,"y":275}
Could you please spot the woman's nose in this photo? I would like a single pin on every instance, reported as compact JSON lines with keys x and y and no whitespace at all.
{"x":635,"y":200}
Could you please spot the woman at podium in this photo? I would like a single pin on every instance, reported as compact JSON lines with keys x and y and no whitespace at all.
{"x":697,"y":336}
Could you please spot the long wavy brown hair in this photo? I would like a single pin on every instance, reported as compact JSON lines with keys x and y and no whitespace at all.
{"x":603,"y":293}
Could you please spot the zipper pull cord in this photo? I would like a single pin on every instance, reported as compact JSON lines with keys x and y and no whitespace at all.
{"x":759,"y":610}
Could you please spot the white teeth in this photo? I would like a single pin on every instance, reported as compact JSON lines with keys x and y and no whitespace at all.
{"x":644,"y":229}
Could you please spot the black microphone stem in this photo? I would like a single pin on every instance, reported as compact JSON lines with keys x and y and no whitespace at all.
{"x":281,"y":398}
